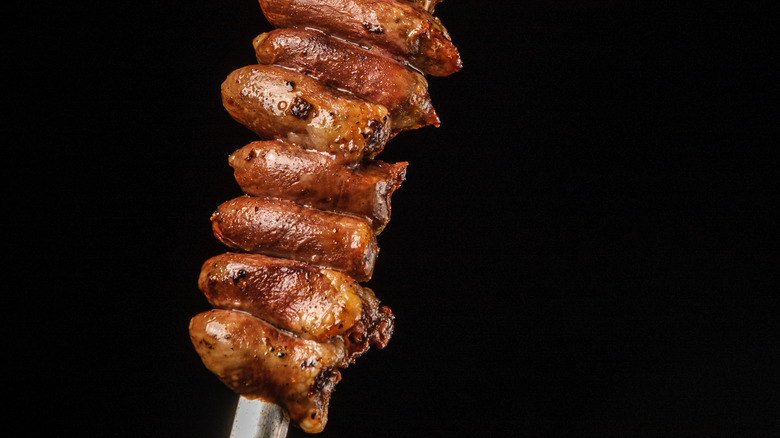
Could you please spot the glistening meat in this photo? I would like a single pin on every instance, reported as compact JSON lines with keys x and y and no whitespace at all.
{"x":313,"y":303}
{"x":256,"y":359}
{"x":277,"y":103}
{"x":281,"y":228}
{"x":362,"y":72}
{"x":399,"y":29}
{"x":279,"y":170}
{"x":332,"y":85}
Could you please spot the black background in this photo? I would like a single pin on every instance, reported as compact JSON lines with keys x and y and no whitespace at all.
{"x":585,"y":247}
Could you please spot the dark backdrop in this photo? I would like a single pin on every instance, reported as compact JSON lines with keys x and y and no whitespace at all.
{"x":585,"y":247}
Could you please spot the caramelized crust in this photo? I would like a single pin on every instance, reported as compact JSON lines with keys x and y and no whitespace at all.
{"x":399,"y":28}
{"x":284,"y":229}
{"x":375,"y":327}
{"x":313,"y":303}
{"x":278,"y":103}
{"x":365,"y":73}
{"x":257,"y":360}
{"x":333,"y":84}
{"x":275,"y":169}
{"x":291,"y":295}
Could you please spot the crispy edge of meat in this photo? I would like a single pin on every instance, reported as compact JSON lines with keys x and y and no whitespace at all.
{"x":280,"y":170}
{"x":255,"y":359}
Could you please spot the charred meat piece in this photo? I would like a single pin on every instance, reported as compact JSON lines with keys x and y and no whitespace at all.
{"x":314,"y":303}
{"x":375,"y":327}
{"x":397,"y":27}
{"x":284,"y":229}
{"x":257,"y":360}
{"x":275,"y":169}
{"x":277,"y":103}
{"x":343,"y":65}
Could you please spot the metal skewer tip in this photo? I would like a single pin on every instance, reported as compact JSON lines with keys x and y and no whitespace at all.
{"x":259,"y":419}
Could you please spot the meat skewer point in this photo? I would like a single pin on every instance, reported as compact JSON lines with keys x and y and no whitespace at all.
{"x":256,"y":418}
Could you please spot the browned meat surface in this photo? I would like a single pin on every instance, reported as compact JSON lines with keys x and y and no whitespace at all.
{"x":255,"y":359}
{"x":401,"y":29}
{"x":334,"y":82}
{"x":275,"y":169}
{"x":340,"y":64}
{"x":277,"y":103}
{"x":314,"y":303}
{"x":284,"y":229}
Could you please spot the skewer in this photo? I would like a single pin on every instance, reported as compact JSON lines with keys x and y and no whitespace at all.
{"x":256,"y":418}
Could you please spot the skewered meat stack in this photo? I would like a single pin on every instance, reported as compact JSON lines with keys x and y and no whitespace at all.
{"x":334,"y":81}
